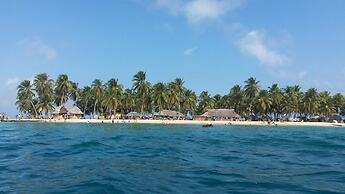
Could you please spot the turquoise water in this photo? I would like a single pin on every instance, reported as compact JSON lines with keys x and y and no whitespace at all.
{"x":118,"y":158}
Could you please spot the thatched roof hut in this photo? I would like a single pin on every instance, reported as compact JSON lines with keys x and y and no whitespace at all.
{"x":133,"y":114}
{"x":170,"y":113}
{"x":60,"y":110}
{"x":221,"y":114}
{"x":75,"y":111}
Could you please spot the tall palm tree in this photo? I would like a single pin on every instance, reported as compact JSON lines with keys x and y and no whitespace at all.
{"x":159,"y":96}
{"x":128,"y":100}
{"x":43,"y":86}
{"x":97,"y":91}
{"x":141,"y":87}
{"x":263,"y":102}
{"x":189,"y":101}
{"x":85,"y":99}
{"x":338,"y":102}
{"x":218,"y":101}
{"x":112,"y":97}
{"x":75,"y":91}
{"x":63,"y":87}
{"x":326,"y":106}
{"x":251,"y":90}
{"x":205,"y":102}
{"x":177,"y":88}
{"x":44,"y":89}
{"x":276,"y":96}
{"x":236,"y":99}
{"x":25,"y":98}
{"x":311,"y":102}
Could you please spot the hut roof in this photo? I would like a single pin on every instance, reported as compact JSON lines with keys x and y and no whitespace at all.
{"x":224,"y":113}
{"x":75,"y":111}
{"x":170,"y":113}
{"x":133,"y":114}
{"x":60,"y":110}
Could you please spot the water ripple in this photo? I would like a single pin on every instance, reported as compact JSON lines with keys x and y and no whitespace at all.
{"x":119,"y":158}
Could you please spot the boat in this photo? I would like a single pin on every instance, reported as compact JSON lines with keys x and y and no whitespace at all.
{"x":207,"y":125}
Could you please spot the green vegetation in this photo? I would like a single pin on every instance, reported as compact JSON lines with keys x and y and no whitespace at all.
{"x":38,"y":98}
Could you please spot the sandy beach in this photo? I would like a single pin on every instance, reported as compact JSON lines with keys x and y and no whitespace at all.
{"x":186,"y":122}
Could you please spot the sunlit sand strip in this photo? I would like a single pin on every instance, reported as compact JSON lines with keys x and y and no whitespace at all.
{"x":186,"y":122}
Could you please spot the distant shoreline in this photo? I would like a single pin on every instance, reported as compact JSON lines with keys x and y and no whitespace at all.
{"x":187,"y":122}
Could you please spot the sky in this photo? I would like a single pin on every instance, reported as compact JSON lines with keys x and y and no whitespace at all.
{"x":211,"y":44}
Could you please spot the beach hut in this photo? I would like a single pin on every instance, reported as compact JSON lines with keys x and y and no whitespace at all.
{"x":169,"y":114}
{"x":60,"y":112}
{"x":75,"y":113}
{"x":220,"y":114}
{"x":133,"y":115}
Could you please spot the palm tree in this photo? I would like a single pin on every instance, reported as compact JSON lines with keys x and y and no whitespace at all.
{"x":141,"y":87}
{"x":205,"y":102}
{"x":159,"y":96}
{"x":25,"y":98}
{"x":251,"y":90}
{"x":311,"y":102}
{"x":189,"y":101}
{"x":236,"y":99}
{"x":44,"y":107}
{"x":177,"y":88}
{"x":263,"y":102}
{"x":218,"y":101}
{"x":43,"y":86}
{"x":85,"y":99}
{"x":112,"y":97}
{"x":97,"y":91}
{"x":75,"y":91}
{"x":63,"y":87}
{"x":276,"y":97}
{"x":44,"y":89}
{"x":326,"y":107}
{"x":338,"y":102}
{"x":128,"y":100}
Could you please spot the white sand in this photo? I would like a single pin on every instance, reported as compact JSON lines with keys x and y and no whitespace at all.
{"x":192,"y":122}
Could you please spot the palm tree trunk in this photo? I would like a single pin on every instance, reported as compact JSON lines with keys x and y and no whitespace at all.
{"x":94,"y":108}
{"x":142,"y":104}
{"x":33,"y":106}
{"x":62,"y":97}
{"x":84,"y":111}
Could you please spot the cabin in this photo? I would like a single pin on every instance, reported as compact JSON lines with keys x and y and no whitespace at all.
{"x":220,"y":115}
{"x":60,"y":112}
{"x":75,"y":113}
{"x":168,"y":114}
{"x":133,"y":115}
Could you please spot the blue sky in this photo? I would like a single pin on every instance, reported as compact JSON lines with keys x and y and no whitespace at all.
{"x":211,"y":44}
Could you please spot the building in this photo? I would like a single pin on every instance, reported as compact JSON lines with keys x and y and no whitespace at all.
{"x":60,"y":112}
{"x":220,"y":115}
{"x":168,"y":114}
{"x":75,"y":113}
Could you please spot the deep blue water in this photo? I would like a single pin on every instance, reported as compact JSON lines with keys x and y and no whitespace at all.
{"x":118,"y":158}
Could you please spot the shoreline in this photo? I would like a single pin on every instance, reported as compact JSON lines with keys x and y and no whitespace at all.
{"x":184,"y":122}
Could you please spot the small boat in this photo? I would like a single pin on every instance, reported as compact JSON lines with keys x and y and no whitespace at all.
{"x":207,"y":125}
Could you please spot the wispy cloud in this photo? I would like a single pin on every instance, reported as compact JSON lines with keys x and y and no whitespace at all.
{"x":12,"y":82}
{"x":256,"y":44}
{"x":36,"y":47}
{"x":189,"y":51}
{"x":199,"y":11}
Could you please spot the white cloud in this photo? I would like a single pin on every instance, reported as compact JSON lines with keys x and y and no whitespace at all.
{"x":254,"y":43}
{"x":12,"y":82}
{"x":36,"y":47}
{"x":189,"y":51}
{"x":199,"y":11}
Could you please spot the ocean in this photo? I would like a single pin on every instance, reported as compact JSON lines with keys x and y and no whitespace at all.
{"x":147,"y":158}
